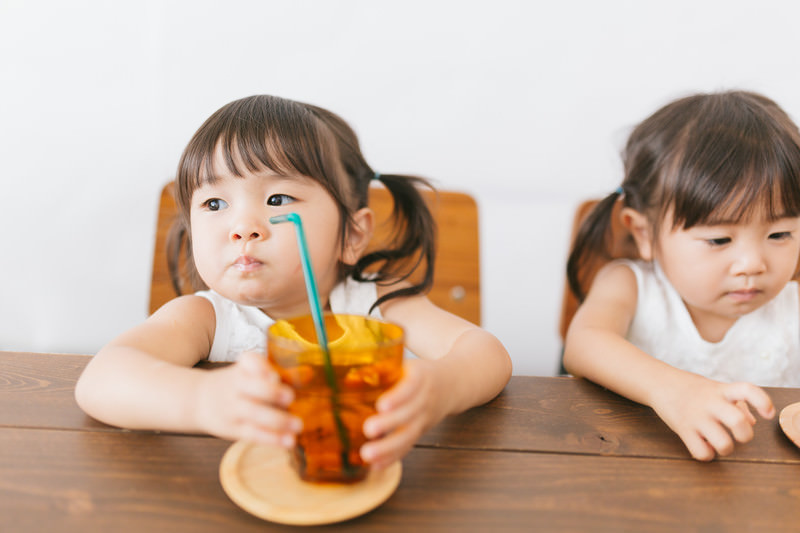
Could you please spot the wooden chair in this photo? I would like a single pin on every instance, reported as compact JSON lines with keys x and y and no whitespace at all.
{"x":456,"y":286}
{"x":621,"y":245}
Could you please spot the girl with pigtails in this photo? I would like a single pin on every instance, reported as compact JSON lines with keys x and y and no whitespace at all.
{"x":709,"y":312}
{"x":254,"y":159}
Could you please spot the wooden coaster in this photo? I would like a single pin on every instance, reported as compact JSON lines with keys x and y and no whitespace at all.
{"x":260,"y":480}
{"x":790,"y":422}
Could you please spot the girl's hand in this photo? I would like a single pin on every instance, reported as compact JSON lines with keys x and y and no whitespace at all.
{"x":709,"y":416}
{"x":405,"y":412}
{"x":247,"y":401}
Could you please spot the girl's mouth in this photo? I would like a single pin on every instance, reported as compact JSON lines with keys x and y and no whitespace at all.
{"x":744,"y":295}
{"x":246,"y":264}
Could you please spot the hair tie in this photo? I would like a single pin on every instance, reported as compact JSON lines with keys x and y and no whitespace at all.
{"x":620,"y":191}
{"x":377,"y":176}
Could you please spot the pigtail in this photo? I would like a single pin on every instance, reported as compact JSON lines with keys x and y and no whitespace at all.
{"x":591,"y":245}
{"x":175,"y":241}
{"x":412,"y":244}
{"x":182,"y":272}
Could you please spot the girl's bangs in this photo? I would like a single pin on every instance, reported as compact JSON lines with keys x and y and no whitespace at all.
{"x":730,"y":180}
{"x":280,"y":136}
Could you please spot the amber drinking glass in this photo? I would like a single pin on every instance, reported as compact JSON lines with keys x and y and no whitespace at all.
{"x":333,"y":398}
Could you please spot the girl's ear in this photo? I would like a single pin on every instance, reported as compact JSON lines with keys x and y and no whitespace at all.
{"x":358,"y":235}
{"x":640,"y":229}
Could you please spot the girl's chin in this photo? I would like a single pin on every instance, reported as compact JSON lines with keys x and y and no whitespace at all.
{"x":267,"y":303}
{"x":252,"y":296}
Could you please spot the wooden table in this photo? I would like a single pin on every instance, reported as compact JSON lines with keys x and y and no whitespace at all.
{"x":549,"y":454}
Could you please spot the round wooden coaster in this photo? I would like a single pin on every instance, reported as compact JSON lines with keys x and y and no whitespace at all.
{"x":260,"y":480}
{"x":790,"y":422}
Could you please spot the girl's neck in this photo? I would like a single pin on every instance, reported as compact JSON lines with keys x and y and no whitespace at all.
{"x":711,"y":328}
{"x":281,"y":313}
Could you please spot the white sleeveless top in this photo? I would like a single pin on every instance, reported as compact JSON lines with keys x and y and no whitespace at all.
{"x":243,"y":327}
{"x":762,"y":347}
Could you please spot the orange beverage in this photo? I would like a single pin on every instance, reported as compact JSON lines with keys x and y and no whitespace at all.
{"x":366,"y":357}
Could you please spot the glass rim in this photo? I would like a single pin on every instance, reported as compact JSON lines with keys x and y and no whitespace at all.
{"x":389,"y":341}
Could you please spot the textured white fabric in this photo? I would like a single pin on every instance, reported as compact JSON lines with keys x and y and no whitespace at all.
{"x":243,"y":327}
{"x":762,"y":347}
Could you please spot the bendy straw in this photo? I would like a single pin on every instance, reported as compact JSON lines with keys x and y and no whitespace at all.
{"x":311,"y":283}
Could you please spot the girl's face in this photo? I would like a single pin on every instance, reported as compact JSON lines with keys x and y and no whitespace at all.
{"x":243,"y":257}
{"x":724,"y":271}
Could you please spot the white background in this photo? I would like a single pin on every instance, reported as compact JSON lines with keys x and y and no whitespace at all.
{"x":524,"y":104}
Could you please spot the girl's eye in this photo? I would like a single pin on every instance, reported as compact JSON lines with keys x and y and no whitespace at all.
{"x":719,"y":241}
{"x":279,"y":199}
{"x":215,"y":204}
{"x":780,"y":235}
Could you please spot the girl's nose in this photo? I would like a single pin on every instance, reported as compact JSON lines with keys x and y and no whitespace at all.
{"x":240,"y":235}
{"x":750,"y":262}
{"x":249,"y":229}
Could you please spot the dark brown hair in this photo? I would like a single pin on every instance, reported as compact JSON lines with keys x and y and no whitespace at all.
{"x":705,"y":158}
{"x":290,"y":137}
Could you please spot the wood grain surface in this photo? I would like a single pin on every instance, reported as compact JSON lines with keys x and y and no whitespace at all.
{"x":549,"y":454}
{"x":568,"y":415}
{"x":100,"y":481}
{"x":537,"y":414}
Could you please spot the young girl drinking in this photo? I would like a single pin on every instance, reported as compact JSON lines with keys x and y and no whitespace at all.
{"x":253,"y":159}
{"x":711,"y":197}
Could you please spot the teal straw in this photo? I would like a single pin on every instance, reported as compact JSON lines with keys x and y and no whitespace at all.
{"x":319,"y":327}
{"x":311,"y":283}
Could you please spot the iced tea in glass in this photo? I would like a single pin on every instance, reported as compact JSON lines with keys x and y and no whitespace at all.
{"x":366,"y":358}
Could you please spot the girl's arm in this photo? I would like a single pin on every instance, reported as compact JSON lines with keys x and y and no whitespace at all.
{"x":704,"y":413}
{"x":144,"y":379}
{"x":460,"y":366}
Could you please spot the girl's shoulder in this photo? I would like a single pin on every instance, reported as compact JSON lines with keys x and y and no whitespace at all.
{"x":615,"y":286}
{"x":189,"y":310}
{"x":611,"y":301}
{"x":621,"y":272}
{"x":429,"y":330}
{"x":179,"y":331}
{"x":191,"y":306}
{"x":418,"y":311}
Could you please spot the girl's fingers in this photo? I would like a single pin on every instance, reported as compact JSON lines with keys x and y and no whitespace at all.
{"x":739,"y":423}
{"x":717,"y":416}
{"x":266,"y":424}
{"x":258,"y":381}
{"x":272,"y":419}
{"x":402,"y":391}
{"x":253,"y":433}
{"x":745,"y":409}
{"x":698,"y":447}
{"x":717,"y":437}
{"x":383,"y":452}
{"x":253,"y":363}
{"x":267,"y":392}
{"x":386,"y":421}
{"x":755,"y":396}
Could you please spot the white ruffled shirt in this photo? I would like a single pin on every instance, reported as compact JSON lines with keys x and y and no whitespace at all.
{"x":243,"y":327}
{"x":762,"y":347}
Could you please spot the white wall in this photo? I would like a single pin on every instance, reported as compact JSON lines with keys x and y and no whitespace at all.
{"x":524,"y":104}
